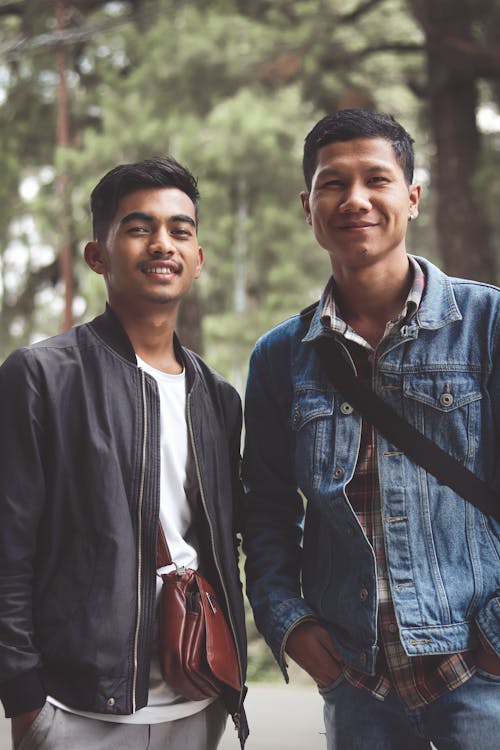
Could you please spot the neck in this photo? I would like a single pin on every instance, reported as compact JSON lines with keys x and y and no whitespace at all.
{"x":369,"y":297}
{"x":151,"y":335}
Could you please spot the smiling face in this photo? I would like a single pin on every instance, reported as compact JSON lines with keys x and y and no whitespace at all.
{"x":151,"y":253}
{"x":359,"y":204}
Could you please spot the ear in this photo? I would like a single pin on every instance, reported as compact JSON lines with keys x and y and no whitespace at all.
{"x":304,"y":197}
{"x":415,"y":194}
{"x":93,"y":254}
{"x":199,"y":265}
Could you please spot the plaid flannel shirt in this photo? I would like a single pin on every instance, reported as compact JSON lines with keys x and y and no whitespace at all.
{"x":418,"y":680}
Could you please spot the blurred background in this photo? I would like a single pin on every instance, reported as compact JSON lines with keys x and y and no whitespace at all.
{"x":230,"y":88}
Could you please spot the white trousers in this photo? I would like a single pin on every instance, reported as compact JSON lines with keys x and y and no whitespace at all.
{"x":55,"y":729}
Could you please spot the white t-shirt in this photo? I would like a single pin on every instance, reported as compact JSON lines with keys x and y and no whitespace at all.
{"x":177,"y":482}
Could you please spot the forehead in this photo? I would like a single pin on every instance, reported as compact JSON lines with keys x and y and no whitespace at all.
{"x":357,"y":154}
{"x":160,"y":203}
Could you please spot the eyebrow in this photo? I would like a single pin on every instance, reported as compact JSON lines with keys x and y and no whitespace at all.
{"x":339,"y":171}
{"x":141,"y":216}
{"x":183,"y":218}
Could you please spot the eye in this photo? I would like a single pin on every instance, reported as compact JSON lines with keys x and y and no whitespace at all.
{"x":138,"y":230}
{"x":333,"y":183}
{"x":378,"y":179}
{"x":181,"y":232}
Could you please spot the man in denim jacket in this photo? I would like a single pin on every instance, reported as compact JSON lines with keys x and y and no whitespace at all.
{"x":389,"y":594}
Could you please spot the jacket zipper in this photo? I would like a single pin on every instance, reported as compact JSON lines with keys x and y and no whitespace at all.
{"x":235,"y":716}
{"x":139,"y":540}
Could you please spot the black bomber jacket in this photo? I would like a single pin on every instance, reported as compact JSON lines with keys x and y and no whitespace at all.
{"x":79,"y":505}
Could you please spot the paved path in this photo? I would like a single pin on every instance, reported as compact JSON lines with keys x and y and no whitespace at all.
{"x":281,"y":718}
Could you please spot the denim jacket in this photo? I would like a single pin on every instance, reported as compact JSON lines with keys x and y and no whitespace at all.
{"x":441,"y":372}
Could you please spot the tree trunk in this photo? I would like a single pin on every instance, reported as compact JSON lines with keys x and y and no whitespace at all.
{"x":463,"y":233}
{"x":189,"y":319}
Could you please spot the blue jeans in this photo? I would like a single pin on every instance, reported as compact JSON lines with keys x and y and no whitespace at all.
{"x":467,"y":718}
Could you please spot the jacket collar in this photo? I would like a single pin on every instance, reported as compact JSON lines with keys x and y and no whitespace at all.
{"x":110,"y":330}
{"x":438,"y":307}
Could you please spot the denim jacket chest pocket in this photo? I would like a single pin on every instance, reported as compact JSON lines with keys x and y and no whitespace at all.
{"x":311,"y":421}
{"x":446,"y":407}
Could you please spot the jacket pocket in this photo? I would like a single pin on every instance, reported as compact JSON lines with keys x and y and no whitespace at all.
{"x":445,"y":406}
{"x":310,"y":402}
{"x":36,"y":735}
{"x":337,"y":682}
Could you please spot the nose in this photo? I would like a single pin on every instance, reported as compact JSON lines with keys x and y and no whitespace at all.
{"x":161,"y":243}
{"x":356,"y":199}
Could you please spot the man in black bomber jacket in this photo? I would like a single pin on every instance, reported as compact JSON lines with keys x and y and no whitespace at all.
{"x":104,"y":430}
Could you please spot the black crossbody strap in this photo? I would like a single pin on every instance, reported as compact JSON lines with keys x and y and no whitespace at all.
{"x":413,"y":443}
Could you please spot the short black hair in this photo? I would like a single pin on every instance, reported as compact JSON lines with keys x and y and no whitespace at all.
{"x":348,"y":124}
{"x":158,"y":172}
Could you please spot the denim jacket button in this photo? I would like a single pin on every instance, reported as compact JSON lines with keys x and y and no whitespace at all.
{"x":446,"y":399}
{"x":346,"y":408}
{"x":338,"y":472}
{"x":111,"y":702}
{"x":363,"y":594}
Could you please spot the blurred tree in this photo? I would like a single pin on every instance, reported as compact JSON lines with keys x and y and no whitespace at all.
{"x":24,"y":107}
{"x":28,"y":115}
{"x":462,"y":47}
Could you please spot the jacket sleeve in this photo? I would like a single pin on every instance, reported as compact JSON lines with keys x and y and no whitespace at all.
{"x":488,"y":618}
{"x":272,"y":529}
{"x":22,"y":497}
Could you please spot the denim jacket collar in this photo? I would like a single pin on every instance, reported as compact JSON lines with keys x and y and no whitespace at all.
{"x":437,"y":309}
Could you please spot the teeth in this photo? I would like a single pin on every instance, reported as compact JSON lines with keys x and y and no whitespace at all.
{"x":159,"y":269}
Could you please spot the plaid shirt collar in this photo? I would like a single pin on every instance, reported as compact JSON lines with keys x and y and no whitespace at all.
{"x":331,"y":317}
